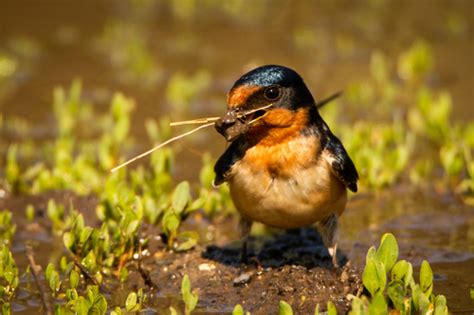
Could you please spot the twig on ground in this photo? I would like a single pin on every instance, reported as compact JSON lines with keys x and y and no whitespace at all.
{"x":43,"y":289}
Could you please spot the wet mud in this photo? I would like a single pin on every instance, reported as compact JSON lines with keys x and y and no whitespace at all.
{"x":293,"y":266}
{"x":289,"y":265}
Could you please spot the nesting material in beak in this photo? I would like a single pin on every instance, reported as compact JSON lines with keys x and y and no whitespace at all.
{"x":233,"y":124}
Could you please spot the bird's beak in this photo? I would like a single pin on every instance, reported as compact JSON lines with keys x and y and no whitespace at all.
{"x":233,"y":123}
{"x":230,"y":125}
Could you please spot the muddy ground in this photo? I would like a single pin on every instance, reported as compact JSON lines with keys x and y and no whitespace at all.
{"x":292,"y":266}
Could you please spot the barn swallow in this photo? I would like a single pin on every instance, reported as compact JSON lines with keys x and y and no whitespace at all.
{"x":284,"y":166}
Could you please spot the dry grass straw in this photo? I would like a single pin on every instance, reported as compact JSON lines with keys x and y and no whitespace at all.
{"x":161,"y":145}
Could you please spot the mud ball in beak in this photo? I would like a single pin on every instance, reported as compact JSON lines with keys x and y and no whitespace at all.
{"x":230,"y":126}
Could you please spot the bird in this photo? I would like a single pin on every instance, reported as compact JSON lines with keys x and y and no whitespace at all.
{"x":284,"y":166}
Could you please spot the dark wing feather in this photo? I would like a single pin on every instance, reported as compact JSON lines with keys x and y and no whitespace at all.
{"x":341,"y":163}
{"x":232,"y":154}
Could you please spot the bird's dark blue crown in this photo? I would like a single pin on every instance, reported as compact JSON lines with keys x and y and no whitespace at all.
{"x":270,"y":75}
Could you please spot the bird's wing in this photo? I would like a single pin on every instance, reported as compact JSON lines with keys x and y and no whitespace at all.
{"x":341,"y":164}
{"x":223,"y":165}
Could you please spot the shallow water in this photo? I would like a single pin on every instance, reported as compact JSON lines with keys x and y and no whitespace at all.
{"x":329,"y":43}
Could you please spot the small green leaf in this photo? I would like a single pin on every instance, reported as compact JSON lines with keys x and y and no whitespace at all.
{"x":387,"y":253}
{"x":378,"y":305}
{"x":357,"y":307}
{"x":238,"y":310}
{"x":331,"y":308}
{"x":71,"y":294}
{"x":123,"y":274}
{"x":415,"y":296}
{"x":284,"y":308}
{"x":170,"y":222}
{"x":30,"y":212}
{"x":117,"y":311}
{"x":132,"y":227}
{"x":402,"y":271}
{"x":374,"y":276}
{"x":190,"y":240}
{"x":6,"y":309}
{"x":53,"y":281}
{"x":426,"y":278}
{"x":190,"y":299}
{"x":85,"y":234}
{"x":196,"y":204}
{"x":131,"y":302}
{"x":82,"y":306}
{"x":316,"y":310}
{"x":48,"y":271}
{"x":424,"y":303}
{"x":396,"y":293}
{"x":74,"y":279}
{"x":181,"y":197}
{"x":440,"y":305}
{"x":68,"y":240}
{"x":100,"y":306}
{"x":370,"y":254}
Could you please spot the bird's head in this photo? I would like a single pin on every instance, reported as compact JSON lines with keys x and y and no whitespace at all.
{"x":267,"y":97}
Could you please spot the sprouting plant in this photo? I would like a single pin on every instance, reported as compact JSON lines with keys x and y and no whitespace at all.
{"x":181,"y":205}
{"x":52,"y":278}
{"x":285,"y":309}
{"x":57,"y":214}
{"x":135,"y":300}
{"x":238,"y":310}
{"x":8,"y":278}
{"x":415,"y":62}
{"x":12,"y":171}
{"x":93,"y":302}
{"x":374,"y":146}
{"x":106,"y":249}
{"x":7,"y":227}
{"x":190,"y":299}
{"x":391,"y":285}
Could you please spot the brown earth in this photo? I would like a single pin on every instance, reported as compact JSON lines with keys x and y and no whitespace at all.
{"x":292,"y":266}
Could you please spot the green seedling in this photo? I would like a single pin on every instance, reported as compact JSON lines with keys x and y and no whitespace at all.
{"x":180,"y":207}
{"x":391,"y":285}
{"x":8,"y":277}
{"x":52,"y":277}
{"x":284,"y":308}
{"x":7,"y":227}
{"x":239,"y":310}
{"x":416,"y":62}
{"x":190,"y":299}
{"x":12,"y":170}
{"x":30,"y":212}
{"x":135,"y":301}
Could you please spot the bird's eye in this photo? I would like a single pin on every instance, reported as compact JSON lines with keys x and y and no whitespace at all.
{"x":272,"y":93}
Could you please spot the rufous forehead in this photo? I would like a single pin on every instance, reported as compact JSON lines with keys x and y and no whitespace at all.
{"x":239,"y":96}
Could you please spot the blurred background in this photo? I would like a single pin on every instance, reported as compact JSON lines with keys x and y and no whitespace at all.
{"x":145,"y":48}
{"x":406,"y":116}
